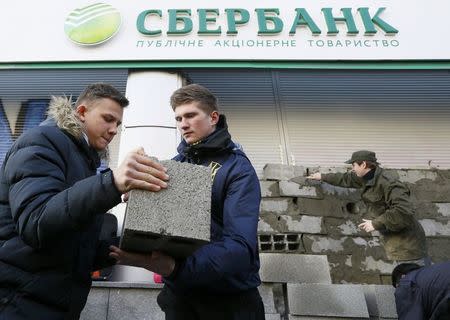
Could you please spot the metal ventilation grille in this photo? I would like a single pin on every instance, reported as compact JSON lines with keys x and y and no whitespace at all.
{"x":318,"y":117}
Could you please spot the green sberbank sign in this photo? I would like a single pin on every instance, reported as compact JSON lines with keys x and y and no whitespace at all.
{"x":235,"y":27}
{"x":269,"y":21}
{"x":92,"y":24}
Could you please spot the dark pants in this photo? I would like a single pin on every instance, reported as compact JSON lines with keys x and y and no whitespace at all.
{"x":247,"y":305}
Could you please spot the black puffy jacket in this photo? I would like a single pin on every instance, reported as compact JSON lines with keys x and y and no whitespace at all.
{"x":51,"y":211}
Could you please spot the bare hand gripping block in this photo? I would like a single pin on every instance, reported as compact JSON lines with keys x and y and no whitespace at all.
{"x":175,"y":220}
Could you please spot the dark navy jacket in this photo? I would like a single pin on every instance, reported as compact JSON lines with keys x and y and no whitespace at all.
{"x":51,"y":211}
{"x":424,"y":294}
{"x":230,"y":263}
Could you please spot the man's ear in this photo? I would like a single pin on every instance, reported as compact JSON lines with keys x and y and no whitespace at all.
{"x":214,"y":117}
{"x":80,"y":111}
{"x":364,"y":165}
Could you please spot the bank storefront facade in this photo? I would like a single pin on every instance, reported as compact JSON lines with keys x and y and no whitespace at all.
{"x":302,"y":83}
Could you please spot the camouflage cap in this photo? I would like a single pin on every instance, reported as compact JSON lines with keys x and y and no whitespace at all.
{"x":363,"y":155}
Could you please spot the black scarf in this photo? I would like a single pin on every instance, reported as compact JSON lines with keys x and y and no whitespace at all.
{"x":216,"y":143}
{"x":369,"y":175}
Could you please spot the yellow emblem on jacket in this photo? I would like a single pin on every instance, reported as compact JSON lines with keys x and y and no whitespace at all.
{"x":214,"y":168}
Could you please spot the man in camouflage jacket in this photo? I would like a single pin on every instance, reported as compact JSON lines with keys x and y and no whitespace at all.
{"x":389,"y":208}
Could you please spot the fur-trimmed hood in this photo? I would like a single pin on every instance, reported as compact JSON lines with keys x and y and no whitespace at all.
{"x":61,"y":110}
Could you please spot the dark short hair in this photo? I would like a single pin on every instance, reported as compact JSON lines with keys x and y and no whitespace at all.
{"x":101,"y":90}
{"x":194,"y":93}
{"x":402,"y":269}
{"x":369,"y":164}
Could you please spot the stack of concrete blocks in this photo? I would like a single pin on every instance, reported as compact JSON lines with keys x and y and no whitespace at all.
{"x":300,"y":287}
{"x":279,"y":269}
{"x":175,"y":220}
{"x":294,"y":287}
{"x":306,"y":283}
{"x":303,"y":216}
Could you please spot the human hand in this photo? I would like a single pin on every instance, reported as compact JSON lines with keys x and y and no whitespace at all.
{"x":156,"y":261}
{"x":315,"y":176}
{"x":137,"y":171}
{"x":129,"y":258}
{"x":366,"y":225}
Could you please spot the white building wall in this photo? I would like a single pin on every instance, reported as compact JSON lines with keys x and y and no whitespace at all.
{"x":149,"y":123}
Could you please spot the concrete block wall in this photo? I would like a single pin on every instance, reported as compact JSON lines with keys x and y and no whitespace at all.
{"x":138,"y":301}
{"x":295,"y":286}
{"x":311,"y":217}
{"x":300,"y":288}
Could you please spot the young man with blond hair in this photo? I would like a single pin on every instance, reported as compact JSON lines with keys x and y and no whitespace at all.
{"x":220,"y":280}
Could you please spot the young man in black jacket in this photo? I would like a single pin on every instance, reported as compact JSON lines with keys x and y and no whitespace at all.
{"x":52,"y":205}
{"x":219,"y":280}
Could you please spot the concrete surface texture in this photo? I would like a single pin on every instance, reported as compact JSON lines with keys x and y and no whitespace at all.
{"x":317,"y":299}
{"x":294,"y":268}
{"x":175,"y":220}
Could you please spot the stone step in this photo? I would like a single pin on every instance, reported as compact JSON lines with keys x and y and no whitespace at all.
{"x":113,"y":301}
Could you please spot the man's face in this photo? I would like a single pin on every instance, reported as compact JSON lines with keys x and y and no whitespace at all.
{"x":360,"y":169}
{"x":193,"y":123}
{"x":101,"y":119}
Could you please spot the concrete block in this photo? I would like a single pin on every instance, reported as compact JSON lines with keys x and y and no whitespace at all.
{"x":345,"y":269}
{"x":414,"y":175}
{"x":435,"y":227}
{"x":280,"y":242}
{"x":290,"y":224}
{"x":324,"y":244}
{"x":342,"y":169}
{"x":427,"y":210}
{"x":329,"y":206}
{"x":273,"y":171}
{"x":134,"y":304}
{"x":266,"y":292}
{"x":273,"y":316}
{"x":316,"y":299}
{"x":294,"y":317}
{"x":292,"y":189}
{"x":96,"y":305}
{"x":343,"y":226}
{"x":269,"y":189}
{"x":264,"y":226}
{"x":380,"y":300}
{"x":340,"y":192}
{"x":300,"y":224}
{"x":175,"y":220}
{"x":443,"y":209}
{"x":439,"y":249}
{"x":278,"y":267}
{"x":429,"y":190}
{"x":278,"y":206}
{"x":371,"y":264}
